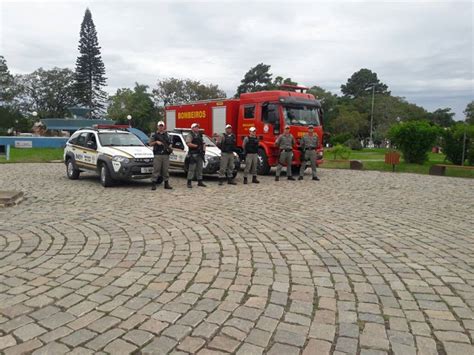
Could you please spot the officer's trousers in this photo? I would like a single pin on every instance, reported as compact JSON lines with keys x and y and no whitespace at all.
{"x":251,"y":161}
{"x":226,"y":165}
{"x":285,"y":158}
{"x":309,"y":158}
{"x":195,"y":167}
{"x":161,"y":165}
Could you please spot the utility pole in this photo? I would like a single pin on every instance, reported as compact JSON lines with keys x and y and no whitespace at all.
{"x":372,"y":114}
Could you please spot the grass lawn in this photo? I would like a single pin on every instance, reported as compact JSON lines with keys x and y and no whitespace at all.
{"x":33,"y":155}
{"x":374,"y":159}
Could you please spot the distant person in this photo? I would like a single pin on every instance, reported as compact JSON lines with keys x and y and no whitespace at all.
{"x":250,"y":146}
{"x":309,"y":143}
{"x":285,"y":143}
{"x":227,"y":145}
{"x":161,"y":143}
{"x":196,"y":155}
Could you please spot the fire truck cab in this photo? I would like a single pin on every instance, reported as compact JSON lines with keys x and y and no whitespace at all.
{"x":268,"y":111}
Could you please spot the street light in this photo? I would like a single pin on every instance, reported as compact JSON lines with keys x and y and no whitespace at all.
{"x":464,"y":142}
{"x":372,"y":113}
{"x":129,"y":118}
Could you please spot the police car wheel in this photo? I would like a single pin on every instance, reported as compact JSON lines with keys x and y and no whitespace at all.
{"x":105,"y":178}
{"x":71,"y":170}
{"x":263,"y":168}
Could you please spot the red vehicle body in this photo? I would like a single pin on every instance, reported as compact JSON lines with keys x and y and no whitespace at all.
{"x":267,"y":111}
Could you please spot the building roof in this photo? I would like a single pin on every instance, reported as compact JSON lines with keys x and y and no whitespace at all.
{"x":71,"y":124}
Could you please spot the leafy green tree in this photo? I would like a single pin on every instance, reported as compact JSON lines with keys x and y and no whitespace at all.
{"x":329,"y":102}
{"x":90,"y":69}
{"x":442,"y":117}
{"x":138,"y":103}
{"x":453,"y":141}
{"x":361,"y":83}
{"x":257,"y":78}
{"x":49,"y":92}
{"x":350,"y":122}
{"x":469,"y":112}
{"x":6,"y":83}
{"x":279,"y":81}
{"x":10,"y":117}
{"x":414,"y":139}
{"x":173,"y":91}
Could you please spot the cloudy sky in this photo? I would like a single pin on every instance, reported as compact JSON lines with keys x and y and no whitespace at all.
{"x":423,"y":50}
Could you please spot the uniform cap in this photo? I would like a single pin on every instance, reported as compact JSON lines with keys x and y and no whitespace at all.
{"x":160,"y":123}
{"x":287,"y":127}
{"x":252,"y":129}
{"x":228,"y":126}
{"x":310,"y":126}
{"x":195,"y":125}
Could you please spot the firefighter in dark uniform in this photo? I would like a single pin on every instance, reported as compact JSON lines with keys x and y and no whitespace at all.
{"x":308,"y":145}
{"x":250,"y":146}
{"x":285,"y":143}
{"x":161,"y":143}
{"x":196,"y":154}
{"x":227,"y":145}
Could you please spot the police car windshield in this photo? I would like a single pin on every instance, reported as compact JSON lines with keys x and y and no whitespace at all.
{"x":109,"y":139}
{"x":299,"y":115}
{"x":207,"y":141}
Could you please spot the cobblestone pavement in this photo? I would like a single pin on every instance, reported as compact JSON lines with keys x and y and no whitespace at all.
{"x":358,"y":263}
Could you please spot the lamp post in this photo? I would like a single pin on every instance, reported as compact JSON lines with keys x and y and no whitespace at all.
{"x":129,"y":118}
{"x":464,"y":142}
{"x":371,"y":142}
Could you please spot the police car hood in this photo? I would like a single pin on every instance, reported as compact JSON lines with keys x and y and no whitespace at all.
{"x":129,"y":152}
{"x":213,"y":151}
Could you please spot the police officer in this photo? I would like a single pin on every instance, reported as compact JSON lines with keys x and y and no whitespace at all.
{"x":227,"y":144}
{"x":161,"y":143}
{"x":308,"y":145}
{"x":250,"y":146}
{"x":285,"y":143}
{"x":197,"y":151}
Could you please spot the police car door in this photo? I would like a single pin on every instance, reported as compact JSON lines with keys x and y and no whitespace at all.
{"x":90,"y":155}
{"x":79,"y":148}
{"x":179,"y":152}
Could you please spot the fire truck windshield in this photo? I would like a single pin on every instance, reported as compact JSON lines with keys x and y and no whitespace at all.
{"x":300,"y":115}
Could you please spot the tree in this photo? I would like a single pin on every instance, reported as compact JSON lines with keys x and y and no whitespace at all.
{"x":137,"y":103}
{"x":329,"y":101}
{"x":49,"y":92}
{"x":361,"y":83}
{"x":349,"y":122}
{"x":256,"y":79}
{"x":442,"y":117}
{"x":173,"y":91}
{"x":90,"y":69}
{"x":414,"y":139}
{"x":6,"y":83}
{"x":453,"y":142}
{"x":279,"y":81}
{"x":469,"y":112}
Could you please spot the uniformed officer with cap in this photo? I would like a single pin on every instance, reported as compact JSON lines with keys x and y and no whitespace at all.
{"x":308,"y":145}
{"x":227,"y":145}
{"x":160,"y":141}
{"x":285,"y":143}
{"x":196,"y":154}
{"x":250,"y":146}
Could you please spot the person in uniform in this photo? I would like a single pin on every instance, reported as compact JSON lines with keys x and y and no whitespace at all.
{"x":161,"y":143}
{"x":196,"y":154}
{"x":285,"y":143}
{"x":308,"y":145}
{"x":250,"y":146}
{"x":227,"y":145}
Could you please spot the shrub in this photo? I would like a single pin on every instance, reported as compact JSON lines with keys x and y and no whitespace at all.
{"x":341,"y":151}
{"x":339,"y":138}
{"x":414,"y":139}
{"x":354,"y":144}
{"x":452,"y":142}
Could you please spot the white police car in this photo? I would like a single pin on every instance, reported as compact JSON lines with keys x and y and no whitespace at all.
{"x":180,"y":150}
{"x":111,"y":151}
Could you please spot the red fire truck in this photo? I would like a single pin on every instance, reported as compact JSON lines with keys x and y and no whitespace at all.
{"x":267,"y":111}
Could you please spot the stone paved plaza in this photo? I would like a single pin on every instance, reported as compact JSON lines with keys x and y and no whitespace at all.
{"x":358,"y":263}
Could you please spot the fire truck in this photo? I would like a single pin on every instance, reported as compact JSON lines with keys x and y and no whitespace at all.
{"x":268,"y":111}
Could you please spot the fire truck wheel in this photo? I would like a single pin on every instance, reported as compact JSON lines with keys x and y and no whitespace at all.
{"x":263,"y":166}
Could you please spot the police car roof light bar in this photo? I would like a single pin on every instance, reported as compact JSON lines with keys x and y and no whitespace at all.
{"x":111,"y":126}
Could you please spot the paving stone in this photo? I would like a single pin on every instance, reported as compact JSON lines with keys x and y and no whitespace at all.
{"x":78,"y":337}
{"x":29,"y":331}
{"x":119,"y":346}
{"x":278,"y":349}
{"x":57,"y":320}
{"x":7,"y":341}
{"x":161,"y":345}
{"x":52,"y":348}
{"x":317,"y":347}
{"x":138,"y":337}
{"x":191,"y":344}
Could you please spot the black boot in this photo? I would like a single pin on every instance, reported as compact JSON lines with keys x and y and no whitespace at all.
{"x":245,"y":181}
{"x":277,"y":178}
{"x":200,"y":183}
{"x":300,"y":178}
{"x":254,"y":180}
{"x":153,"y":186}
{"x":291,"y":178}
{"x":221,"y":181}
{"x":189,"y":184}
{"x":167,"y":185}
{"x":231,"y":182}
{"x":315,"y":178}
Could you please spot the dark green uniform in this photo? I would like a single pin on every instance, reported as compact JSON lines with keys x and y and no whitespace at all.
{"x":227,"y":145}
{"x":250,"y":146}
{"x":195,"y":156}
{"x":162,"y":152}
